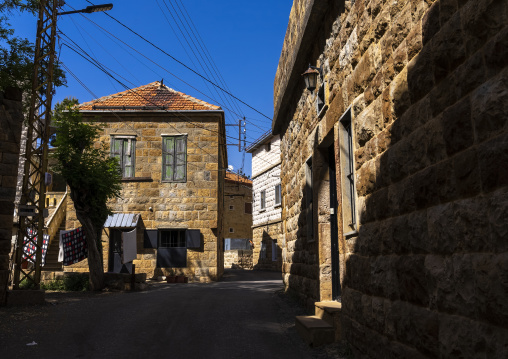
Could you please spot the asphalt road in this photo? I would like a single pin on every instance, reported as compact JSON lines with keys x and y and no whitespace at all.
{"x":246,"y":315}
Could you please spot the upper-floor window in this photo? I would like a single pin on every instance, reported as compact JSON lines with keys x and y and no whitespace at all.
{"x":268,"y":147}
{"x":320,"y":97}
{"x":262,"y":200}
{"x":174,"y":158}
{"x":348,"y":177}
{"x":124,"y":148}
{"x":309,"y":200}
{"x":278,"y":197}
{"x":248,"y":208}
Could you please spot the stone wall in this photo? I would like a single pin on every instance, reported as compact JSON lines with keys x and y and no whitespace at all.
{"x":11,"y":119}
{"x":426,"y":81}
{"x":238,"y":259}
{"x":270,"y":237}
{"x":237,"y":222}
{"x":195,"y":204}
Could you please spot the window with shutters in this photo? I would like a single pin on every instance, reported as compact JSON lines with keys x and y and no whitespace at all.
{"x":262,"y":200}
{"x":347,"y":161}
{"x":248,"y":208}
{"x":124,"y":148}
{"x":174,"y":158}
{"x":278,"y":197}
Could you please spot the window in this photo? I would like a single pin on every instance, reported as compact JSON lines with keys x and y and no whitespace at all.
{"x":174,"y":158}
{"x":262,"y":200}
{"x":320,"y":98}
{"x":248,"y":208}
{"x":278,"y":195}
{"x":231,"y":207}
{"x":173,"y":245}
{"x":309,"y":200}
{"x":174,"y":238}
{"x":274,"y":250}
{"x":268,"y":147}
{"x":231,"y":230}
{"x":347,"y":170}
{"x":262,"y":251}
{"x":124,"y":148}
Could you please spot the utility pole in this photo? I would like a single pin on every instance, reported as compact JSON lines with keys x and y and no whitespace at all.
{"x":33,"y":193}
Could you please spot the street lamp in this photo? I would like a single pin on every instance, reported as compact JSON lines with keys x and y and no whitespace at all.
{"x":310,"y":77}
{"x":89,"y":9}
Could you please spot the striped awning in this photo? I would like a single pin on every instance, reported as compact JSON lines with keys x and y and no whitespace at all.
{"x":122,"y":220}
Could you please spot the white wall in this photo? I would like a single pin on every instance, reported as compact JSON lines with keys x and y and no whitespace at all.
{"x":261,"y":161}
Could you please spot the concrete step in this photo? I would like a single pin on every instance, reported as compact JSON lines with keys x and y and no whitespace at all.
{"x":330,"y":313}
{"x":314,"y":330}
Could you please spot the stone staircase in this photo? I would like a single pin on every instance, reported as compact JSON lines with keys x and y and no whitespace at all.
{"x":55,"y":224}
{"x":323,"y":327}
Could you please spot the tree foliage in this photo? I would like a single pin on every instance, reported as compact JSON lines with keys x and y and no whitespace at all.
{"x":92,"y":175}
{"x":86,"y":167}
{"x":17,"y":54}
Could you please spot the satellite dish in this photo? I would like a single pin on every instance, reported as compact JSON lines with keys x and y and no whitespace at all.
{"x":230,"y":168}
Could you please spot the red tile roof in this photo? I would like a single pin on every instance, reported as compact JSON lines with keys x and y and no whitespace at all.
{"x":154,"y":96}
{"x":233,"y":177}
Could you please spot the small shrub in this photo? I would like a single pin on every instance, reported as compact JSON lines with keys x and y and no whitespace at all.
{"x":71,"y":283}
{"x":57,"y":285}
{"x":26,"y":284}
{"x":76,"y":283}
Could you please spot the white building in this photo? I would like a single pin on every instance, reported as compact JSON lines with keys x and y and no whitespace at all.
{"x":266,"y":204}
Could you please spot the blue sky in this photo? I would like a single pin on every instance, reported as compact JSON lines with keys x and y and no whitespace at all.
{"x":244,"y":39}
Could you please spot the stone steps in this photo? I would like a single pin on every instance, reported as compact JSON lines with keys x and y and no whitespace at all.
{"x":323,"y":327}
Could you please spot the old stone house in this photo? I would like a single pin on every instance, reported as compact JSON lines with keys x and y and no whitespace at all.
{"x":11,"y":120}
{"x":171,"y":149}
{"x":267,"y":204}
{"x":237,"y":221}
{"x":394,"y":172}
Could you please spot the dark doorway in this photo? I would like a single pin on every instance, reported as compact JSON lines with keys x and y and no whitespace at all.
{"x":115,"y":253}
{"x":333,"y":225}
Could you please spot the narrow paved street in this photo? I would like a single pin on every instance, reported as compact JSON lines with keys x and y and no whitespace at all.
{"x":243,"y":316}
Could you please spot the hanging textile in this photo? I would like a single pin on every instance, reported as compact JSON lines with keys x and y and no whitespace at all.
{"x":29,"y":248}
{"x":129,"y":250}
{"x":73,"y":246}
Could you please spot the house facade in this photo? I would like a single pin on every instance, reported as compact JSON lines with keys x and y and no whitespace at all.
{"x":171,"y":149}
{"x":237,"y":221}
{"x":394,"y":172}
{"x":267,"y":204}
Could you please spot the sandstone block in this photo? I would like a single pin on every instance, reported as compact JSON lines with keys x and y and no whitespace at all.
{"x":448,"y":48}
{"x":467,"y":173}
{"x":430,"y":23}
{"x":493,"y":158}
{"x":490,"y":104}
{"x":457,"y":127}
{"x":495,"y":53}
{"x":481,"y":20}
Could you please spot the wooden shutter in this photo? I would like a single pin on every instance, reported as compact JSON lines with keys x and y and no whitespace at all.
{"x":168,"y":158}
{"x":150,"y":238}
{"x":129,"y":150}
{"x":181,"y":159}
{"x":193,"y":238}
{"x":171,"y":257}
{"x":116,"y":151}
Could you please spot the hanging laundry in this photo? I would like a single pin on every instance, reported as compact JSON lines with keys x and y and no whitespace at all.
{"x":129,"y":246}
{"x":29,"y":247}
{"x":73,"y":246}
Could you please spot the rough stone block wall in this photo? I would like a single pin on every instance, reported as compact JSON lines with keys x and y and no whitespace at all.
{"x":11,"y":119}
{"x":238,"y":259}
{"x":236,"y":195}
{"x":267,"y":234}
{"x":427,"y":84}
{"x":193,"y":204}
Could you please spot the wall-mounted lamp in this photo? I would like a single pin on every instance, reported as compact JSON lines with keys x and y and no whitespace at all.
{"x":310,"y":77}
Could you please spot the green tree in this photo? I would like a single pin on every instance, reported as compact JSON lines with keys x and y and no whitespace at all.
{"x":92,"y":175}
{"x":17,"y":54}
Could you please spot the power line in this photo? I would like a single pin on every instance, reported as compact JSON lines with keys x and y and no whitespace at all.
{"x":183,"y":64}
